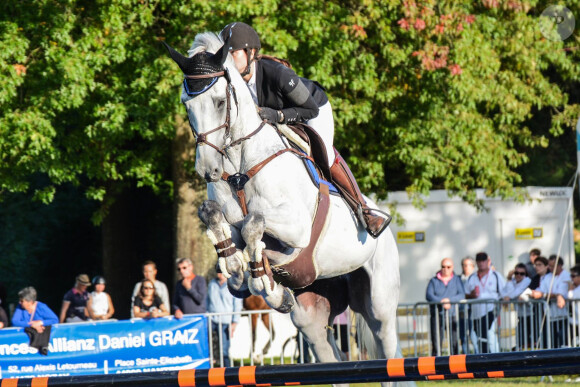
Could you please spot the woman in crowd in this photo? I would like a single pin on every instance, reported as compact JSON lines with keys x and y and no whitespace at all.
{"x":32,"y":313}
{"x":512,"y":290}
{"x":74,"y":303}
{"x":541,"y":266}
{"x":147,"y":303}
{"x":100,"y":306}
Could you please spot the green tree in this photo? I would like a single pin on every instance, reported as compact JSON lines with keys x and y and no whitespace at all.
{"x":426,"y":94}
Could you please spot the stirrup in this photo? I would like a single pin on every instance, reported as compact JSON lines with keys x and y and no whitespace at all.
{"x":386,"y":223}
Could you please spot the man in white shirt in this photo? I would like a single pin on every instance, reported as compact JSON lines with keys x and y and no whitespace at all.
{"x":554,"y":288}
{"x":485,"y":284}
{"x":150,"y":273}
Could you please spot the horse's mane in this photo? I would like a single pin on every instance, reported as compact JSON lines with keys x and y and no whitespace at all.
{"x":205,"y":41}
{"x":210,"y":42}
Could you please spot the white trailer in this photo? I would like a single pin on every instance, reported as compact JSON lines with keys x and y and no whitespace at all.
{"x":449,"y":227}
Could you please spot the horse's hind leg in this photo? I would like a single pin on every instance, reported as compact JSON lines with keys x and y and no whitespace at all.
{"x":222,"y":234}
{"x":262,"y":282}
{"x":374,"y":292}
{"x":316,"y":307}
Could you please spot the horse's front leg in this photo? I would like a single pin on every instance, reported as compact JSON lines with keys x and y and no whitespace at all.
{"x":230,"y":259}
{"x":261,"y":282}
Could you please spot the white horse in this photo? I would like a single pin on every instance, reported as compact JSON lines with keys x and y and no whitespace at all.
{"x":351,"y":267}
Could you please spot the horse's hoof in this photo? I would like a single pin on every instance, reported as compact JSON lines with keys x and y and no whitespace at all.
{"x":288,"y":302}
{"x":241,"y":293}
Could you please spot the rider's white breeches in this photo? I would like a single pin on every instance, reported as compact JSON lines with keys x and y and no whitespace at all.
{"x":323,"y":123}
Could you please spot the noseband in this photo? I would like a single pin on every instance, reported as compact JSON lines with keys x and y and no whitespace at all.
{"x":201,"y":138}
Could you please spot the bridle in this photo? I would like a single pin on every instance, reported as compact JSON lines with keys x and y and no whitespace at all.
{"x":201,"y":138}
{"x":237,"y":180}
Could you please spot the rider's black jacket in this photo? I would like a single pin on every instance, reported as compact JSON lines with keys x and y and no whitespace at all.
{"x":278,"y":87}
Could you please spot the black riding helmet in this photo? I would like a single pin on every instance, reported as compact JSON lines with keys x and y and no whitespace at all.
{"x":240,"y":36}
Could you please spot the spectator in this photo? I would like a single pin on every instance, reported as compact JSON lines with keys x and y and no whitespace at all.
{"x":444,"y":287}
{"x":3,"y":304}
{"x":574,"y":297}
{"x":512,"y":291}
{"x":485,"y":284}
{"x":554,"y":288}
{"x":541,"y":267}
{"x":32,"y":313}
{"x":519,"y":282}
{"x":74,"y":303}
{"x":3,"y":318}
{"x":534,"y":253}
{"x":341,"y":332}
{"x":190,"y":292}
{"x":100,"y":306}
{"x":147,"y":303}
{"x":467,"y":268}
{"x":220,"y":300}
{"x":150,"y":273}
{"x":465,"y":324}
{"x":536,"y":309}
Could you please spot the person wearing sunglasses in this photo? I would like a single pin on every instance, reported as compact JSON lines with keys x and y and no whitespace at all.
{"x":512,"y":291}
{"x":444,"y":288}
{"x":485,"y":284}
{"x":554,"y":288}
{"x":147,"y":303}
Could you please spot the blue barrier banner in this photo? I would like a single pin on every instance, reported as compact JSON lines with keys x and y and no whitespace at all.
{"x":109,"y":347}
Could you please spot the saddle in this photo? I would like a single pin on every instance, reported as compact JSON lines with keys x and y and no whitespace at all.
{"x":306,"y":140}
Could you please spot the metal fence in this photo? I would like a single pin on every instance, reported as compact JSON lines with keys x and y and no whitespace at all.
{"x":424,"y":329}
{"x":486,"y":326}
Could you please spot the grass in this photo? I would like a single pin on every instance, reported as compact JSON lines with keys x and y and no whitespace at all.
{"x":558,"y":381}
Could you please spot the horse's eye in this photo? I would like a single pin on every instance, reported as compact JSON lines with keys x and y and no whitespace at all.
{"x":221,"y":104}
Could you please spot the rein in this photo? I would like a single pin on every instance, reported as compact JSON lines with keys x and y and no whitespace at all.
{"x":238,"y":180}
{"x":201,"y":138}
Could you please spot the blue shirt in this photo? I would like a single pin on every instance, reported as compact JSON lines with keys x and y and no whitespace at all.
{"x":21,"y":317}
{"x":220,"y":300}
{"x":437,"y":290}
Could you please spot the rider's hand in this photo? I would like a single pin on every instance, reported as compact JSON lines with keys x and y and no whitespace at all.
{"x":267,"y":114}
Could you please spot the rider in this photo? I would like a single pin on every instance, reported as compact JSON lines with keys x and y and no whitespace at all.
{"x":284,"y":97}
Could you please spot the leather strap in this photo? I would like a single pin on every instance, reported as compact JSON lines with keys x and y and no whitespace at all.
{"x":301,"y":272}
{"x":227,"y":252}
{"x":224,"y":244}
{"x":254,"y":170}
{"x":202,"y":76}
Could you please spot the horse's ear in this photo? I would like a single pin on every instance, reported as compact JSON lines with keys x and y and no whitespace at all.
{"x":221,"y":55}
{"x":177,"y":57}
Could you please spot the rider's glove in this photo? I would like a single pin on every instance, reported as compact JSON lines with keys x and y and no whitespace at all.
{"x":269,"y":115}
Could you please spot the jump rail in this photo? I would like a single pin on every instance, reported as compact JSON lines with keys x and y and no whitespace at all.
{"x":499,"y":365}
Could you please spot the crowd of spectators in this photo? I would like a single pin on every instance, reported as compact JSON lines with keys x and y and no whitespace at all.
{"x":538,"y":279}
{"x":150,"y":299}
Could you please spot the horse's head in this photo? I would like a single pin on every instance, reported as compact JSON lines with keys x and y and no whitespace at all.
{"x":209,"y":96}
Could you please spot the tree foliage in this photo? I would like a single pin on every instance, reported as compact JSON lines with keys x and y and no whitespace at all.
{"x":426,"y":94}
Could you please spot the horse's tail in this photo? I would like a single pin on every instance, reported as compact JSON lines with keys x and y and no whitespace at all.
{"x":368,"y":345}
{"x":367,"y":342}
